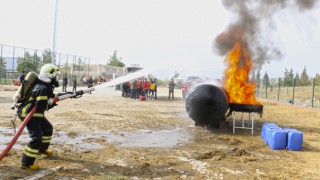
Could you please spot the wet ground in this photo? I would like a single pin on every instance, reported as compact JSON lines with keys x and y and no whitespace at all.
{"x":105,"y":136}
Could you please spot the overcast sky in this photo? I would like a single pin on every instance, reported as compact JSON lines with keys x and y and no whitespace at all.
{"x":174,"y":34}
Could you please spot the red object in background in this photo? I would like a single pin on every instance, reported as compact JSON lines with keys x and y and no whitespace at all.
{"x":142,"y":98}
{"x":139,"y":84}
{"x":185,"y":89}
{"x":16,"y":82}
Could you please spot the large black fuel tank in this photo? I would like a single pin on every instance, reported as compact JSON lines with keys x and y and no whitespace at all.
{"x":207,"y":104}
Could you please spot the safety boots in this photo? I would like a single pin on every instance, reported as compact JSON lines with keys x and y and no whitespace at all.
{"x":47,"y":152}
{"x":33,"y":167}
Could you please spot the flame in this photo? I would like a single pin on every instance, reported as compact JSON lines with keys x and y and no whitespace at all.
{"x":240,"y":91}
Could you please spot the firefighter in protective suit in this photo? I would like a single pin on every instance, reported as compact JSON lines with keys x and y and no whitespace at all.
{"x":39,"y":128}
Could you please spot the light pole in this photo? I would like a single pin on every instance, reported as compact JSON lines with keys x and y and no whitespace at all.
{"x":55,"y":33}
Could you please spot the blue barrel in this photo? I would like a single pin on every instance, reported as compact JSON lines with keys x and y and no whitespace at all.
{"x":294,"y":140}
{"x":265,"y":127}
{"x":277,"y":138}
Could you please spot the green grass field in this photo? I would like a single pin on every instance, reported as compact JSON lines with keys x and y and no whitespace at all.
{"x":302,"y":95}
{"x":5,"y":81}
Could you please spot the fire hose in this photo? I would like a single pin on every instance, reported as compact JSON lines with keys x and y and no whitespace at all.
{"x":28,"y":117}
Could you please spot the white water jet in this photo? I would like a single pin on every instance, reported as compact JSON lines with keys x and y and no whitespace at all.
{"x":141,"y":73}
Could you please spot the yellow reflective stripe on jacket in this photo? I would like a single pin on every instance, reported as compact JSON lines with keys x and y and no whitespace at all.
{"x":29,"y":149}
{"x":29,"y":154}
{"x":34,"y":115}
{"x":24,"y":110}
{"x":42,"y":98}
{"x":46,"y":139}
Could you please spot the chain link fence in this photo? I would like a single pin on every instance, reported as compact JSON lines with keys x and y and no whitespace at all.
{"x":308,"y":95}
{"x":14,"y":60}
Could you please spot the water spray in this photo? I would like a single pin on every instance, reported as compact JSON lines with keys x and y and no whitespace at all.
{"x":128,"y":77}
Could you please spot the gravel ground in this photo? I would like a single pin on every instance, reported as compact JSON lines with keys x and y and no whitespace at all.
{"x":104,"y":136}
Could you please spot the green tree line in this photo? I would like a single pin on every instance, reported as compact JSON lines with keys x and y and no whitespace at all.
{"x":288,"y":79}
{"x":30,"y":62}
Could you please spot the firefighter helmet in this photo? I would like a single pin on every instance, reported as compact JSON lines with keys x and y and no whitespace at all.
{"x":48,"y":72}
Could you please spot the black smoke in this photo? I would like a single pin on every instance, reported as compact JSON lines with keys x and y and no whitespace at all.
{"x":251,"y":18}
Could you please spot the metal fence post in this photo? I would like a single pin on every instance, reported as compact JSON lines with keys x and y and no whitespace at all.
{"x":266,"y":88}
{"x":67,"y":63}
{"x":279,"y":89}
{"x":24,"y":58}
{"x":59,"y":60}
{"x":35,"y":59}
{"x":313,"y":82}
{"x":293,"y":90}
{"x":88,"y":68}
{"x":14,"y":49}
{"x":79,"y":61}
{"x":1,"y":64}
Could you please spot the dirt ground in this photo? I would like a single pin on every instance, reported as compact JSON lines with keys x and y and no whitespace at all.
{"x":104,"y":136}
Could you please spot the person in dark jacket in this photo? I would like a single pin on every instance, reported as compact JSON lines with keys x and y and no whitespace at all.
{"x":90,"y":83}
{"x":39,"y":128}
{"x":171,"y":86}
{"x":125,"y":88}
{"x":64,"y":83}
{"x":74,"y":88}
{"x":133,"y":88}
{"x":155,"y":89}
{"x":146,"y":88}
{"x":22,"y":76}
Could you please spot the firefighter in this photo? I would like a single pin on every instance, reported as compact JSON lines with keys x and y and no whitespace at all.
{"x":39,"y":128}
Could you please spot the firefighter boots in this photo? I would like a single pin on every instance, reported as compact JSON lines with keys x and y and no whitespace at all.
{"x":33,"y":167}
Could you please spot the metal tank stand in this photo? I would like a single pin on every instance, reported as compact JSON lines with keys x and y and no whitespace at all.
{"x":251,"y":118}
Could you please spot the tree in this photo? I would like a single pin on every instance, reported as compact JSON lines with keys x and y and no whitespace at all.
{"x":253,"y":77}
{"x":258,"y":79}
{"x":266,"y":82}
{"x":280,"y":82}
{"x":27,"y":66}
{"x":297,"y":79}
{"x":304,"y":78}
{"x":115,"y":61}
{"x":47,"y":56}
{"x":3,"y":63}
{"x":28,"y":62}
{"x":317,"y":80}
{"x":288,"y":77}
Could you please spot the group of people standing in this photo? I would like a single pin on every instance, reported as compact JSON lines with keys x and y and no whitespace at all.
{"x":74,"y":83}
{"x":140,"y":87}
{"x":65,"y":83}
{"x":143,"y":87}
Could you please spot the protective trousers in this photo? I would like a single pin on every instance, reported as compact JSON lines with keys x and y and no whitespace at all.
{"x":40,"y":131}
{"x":171,"y":93}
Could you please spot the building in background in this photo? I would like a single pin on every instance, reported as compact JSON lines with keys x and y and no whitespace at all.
{"x":97,"y":71}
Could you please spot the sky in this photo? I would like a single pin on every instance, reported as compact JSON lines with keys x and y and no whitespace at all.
{"x":174,"y":35}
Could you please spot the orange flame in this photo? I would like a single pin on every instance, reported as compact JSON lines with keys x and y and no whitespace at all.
{"x":240,"y":91}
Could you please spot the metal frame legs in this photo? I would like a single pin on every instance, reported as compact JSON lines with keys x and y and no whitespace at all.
{"x":251,"y":118}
